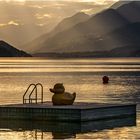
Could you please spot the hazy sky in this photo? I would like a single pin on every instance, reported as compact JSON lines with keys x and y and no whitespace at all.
{"x":21,"y":12}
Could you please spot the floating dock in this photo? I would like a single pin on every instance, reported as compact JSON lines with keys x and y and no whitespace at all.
{"x":79,"y":112}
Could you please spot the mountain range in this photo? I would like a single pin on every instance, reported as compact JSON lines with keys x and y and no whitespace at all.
{"x":64,"y":25}
{"x":116,"y":27}
{"x":111,"y":32}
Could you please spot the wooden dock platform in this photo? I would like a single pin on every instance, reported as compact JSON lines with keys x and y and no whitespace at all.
{"x":79,"y":112}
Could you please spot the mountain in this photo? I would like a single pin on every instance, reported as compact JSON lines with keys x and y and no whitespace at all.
{"x":119,"y":4}
{"x":65,"y":24}
{"x":6,"y":50}
{"x":122,"y":42}
{"x":128,"y":35}
{"x":71,"y":21}
{"x":127,"y":51}
{"x":112,"y":29}
{"x":83,"y":36}
{"x":130,"y":11}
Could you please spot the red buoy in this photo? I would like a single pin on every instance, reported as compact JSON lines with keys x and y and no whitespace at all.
{"x":105,"y":79}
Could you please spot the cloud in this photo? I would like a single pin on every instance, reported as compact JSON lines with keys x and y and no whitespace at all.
{"x":13,"y":23}
{"x":36,"y":6}
{"x":2,"y":24}
{"x":34,"y":12}
{"x":41,"y":25}
{"x":10,"y":23}
{"x":88,"y":11}
{"x":38,"y":16}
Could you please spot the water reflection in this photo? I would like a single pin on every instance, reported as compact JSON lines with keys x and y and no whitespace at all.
{"x":63,"y":130}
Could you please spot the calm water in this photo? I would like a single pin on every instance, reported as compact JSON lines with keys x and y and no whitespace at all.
{"x":82,"y":76}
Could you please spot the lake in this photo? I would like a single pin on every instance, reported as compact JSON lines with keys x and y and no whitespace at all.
{"x":83,"y":76}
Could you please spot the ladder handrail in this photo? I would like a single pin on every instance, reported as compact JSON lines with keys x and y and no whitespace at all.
{"x":39,"y":84}
{"x":34,"y":89}
{"x":27,"y":90}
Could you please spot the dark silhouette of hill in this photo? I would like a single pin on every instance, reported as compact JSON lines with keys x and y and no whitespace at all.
{"x":6,"y":50}
{"x":65,"y":24}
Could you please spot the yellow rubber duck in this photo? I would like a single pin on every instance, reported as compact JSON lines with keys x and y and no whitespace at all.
{"x":61,"y":97}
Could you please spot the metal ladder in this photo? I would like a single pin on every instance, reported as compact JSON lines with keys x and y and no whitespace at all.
{"x":28,"y":97}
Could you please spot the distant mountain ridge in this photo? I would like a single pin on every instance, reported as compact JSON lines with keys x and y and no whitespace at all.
{"x":81,"y":34}
{"x":84,"y":36}
{"x":6,"y":50}
{"x":63,"y":25}
{"x":71,"y":21}
{"x":116,"y":27}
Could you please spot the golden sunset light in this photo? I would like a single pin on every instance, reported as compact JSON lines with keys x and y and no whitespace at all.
{"x":69,"y":69}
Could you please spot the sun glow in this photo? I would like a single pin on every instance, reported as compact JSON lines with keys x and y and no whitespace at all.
{"x":9,"y":23}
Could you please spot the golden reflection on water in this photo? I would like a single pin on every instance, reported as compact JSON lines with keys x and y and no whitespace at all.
{"x":68,"y":65}
{"x":38,"y":59}
{"x":114,"y":134}
{"x":24,"y":135}
{"x":25,"y":70}
{"x":118,"y":133}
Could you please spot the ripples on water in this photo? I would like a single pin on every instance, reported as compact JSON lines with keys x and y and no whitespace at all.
{"x":80,"y":75}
